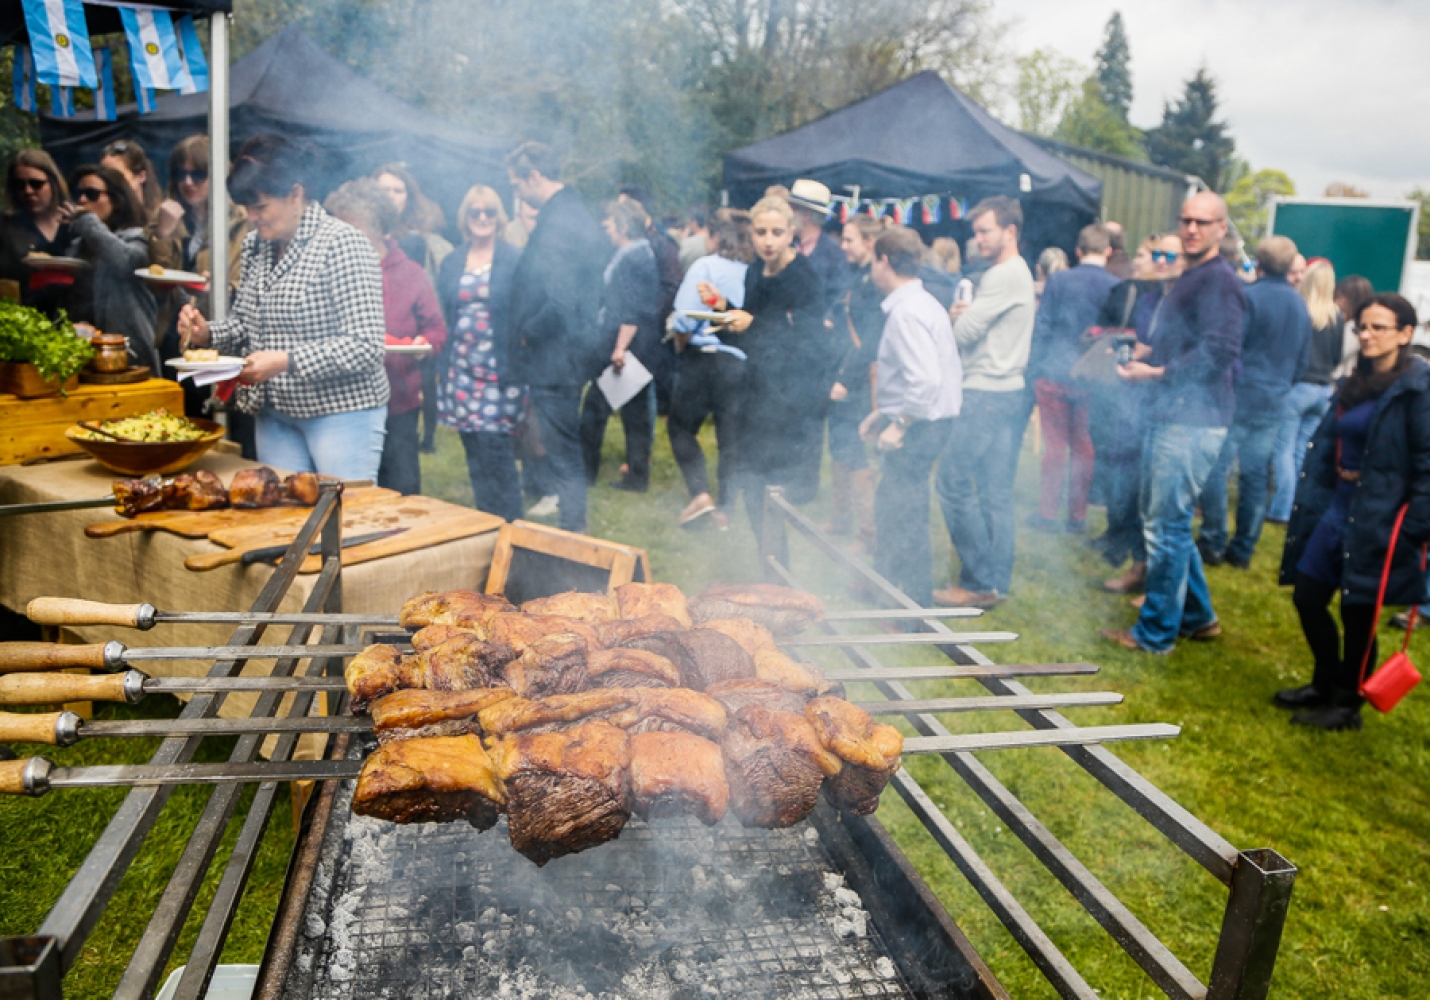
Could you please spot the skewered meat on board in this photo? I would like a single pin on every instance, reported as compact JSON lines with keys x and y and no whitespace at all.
{"x":434,"y":780}
{"x":462,"y":608}
{"x":638,"y":600}
{"x":677,"y":774}
{"x":565,"y":791}
{"x":200,"y":490}
{"x":870,"y":751}
{"x":590,"y":608}
{"x":782,"y":610}
{"x":376,"y":671}
{"x":630,"y":668}
{"x":258,"y":487}
{"x":301,"y":488}
{"x":413,"y":713}
{"x":623,"y":630}
{"x":555,"y":664}
{"x":735,"y":695}
{"x":138,"y":496}
{"x":459,"y":663}
{"x":703,"y":656}
{"x":775,"y":765}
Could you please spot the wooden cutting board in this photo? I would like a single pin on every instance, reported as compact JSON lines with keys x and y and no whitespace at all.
{"x":199,"y":523}
{"x":428,"y":522}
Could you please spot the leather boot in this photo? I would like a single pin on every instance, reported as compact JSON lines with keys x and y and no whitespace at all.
{"x":841,"y":521}
{"x":864,"y":485}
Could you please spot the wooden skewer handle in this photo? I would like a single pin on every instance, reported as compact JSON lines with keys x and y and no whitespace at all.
{"x":202,"y":561}
{"x":73,"y":611}
{"x":17,"y":657}
{"x":108,"y":529}
{"x":54,"y":689}
{"x":12,"y":776}
{"x":35,"y":728}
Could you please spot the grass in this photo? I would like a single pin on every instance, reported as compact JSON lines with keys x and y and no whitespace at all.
{"x":1351,"y":810}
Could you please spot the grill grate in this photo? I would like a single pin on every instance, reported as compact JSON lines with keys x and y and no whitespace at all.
{"x":671,"y":910}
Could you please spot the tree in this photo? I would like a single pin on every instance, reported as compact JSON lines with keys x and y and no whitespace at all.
{"x":1339,"y":189}
{"x":1114,"y":71}
{"x":1046,"y":87}
{"x":1093,"y":125}
{"x":1190,"y":139}
{"x":17,"y":129}
{"x":1422,"y":248}
{"x":1249,"y":197}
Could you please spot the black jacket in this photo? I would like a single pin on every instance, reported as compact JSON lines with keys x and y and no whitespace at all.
{"x":449,"y":276}
{"x":1394,"y":472}
{"x":555,"y":294}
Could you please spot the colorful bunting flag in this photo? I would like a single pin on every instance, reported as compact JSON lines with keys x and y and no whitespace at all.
{"x":59,"y":42}
{"x":104,"y":103}
{"x":24,"y":74}
{"x":61,"y":101}
{"x":191,"y":51}
{"x":154,"y":49}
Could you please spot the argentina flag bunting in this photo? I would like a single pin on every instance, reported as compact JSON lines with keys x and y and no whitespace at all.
{"x":59,"y":42}
{"x":61,"y":101}
{"x":24,"y":72}
{"x":191,"y":51}
{"x":104,"y":103}
{"x":154,"y":49}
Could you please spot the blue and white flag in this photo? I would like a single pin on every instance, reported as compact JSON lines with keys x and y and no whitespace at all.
{"x":104,"y":103}
{"x":24,"y":73}
{"x":59,"y":40}
{"x":191,"y":51}
{"x":144,"y":98}
{"x":154,"y":49}
{"x":61,"y":101}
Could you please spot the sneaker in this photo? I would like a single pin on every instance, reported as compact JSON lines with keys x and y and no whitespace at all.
{"x":1235,"y":563}
{"x":547,"y":506}
{"x":1210,"y":558}
{"x":957,"y":597}
{"x":696,"y":509}
{"x":1402,"y":618}
{"x":1205,"y":634}
{"x":628,"y":485}
{"x":1305,"y":696}
{"x":1331,"y":718}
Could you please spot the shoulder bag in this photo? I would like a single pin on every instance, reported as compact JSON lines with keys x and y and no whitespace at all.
{"x":1397,"y":676}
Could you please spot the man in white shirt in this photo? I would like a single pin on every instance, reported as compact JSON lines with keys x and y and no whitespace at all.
{"x":918,"y":395}
{"x":975,"y":475}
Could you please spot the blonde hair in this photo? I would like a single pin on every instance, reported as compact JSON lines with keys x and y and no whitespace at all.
{"x":775,"y":204}
{"x":1052,"y":260}
{"x":945,"y":251}
{"x":1318,"y":288}
{"x":478,"y":196}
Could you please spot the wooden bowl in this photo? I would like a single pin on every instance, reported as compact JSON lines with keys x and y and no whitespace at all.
{"x":144,"y":458}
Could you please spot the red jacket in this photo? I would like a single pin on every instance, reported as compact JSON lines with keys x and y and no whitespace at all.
{"x":410,"y":306}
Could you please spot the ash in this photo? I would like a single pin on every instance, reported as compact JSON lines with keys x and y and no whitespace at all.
{"x":670,"y":910}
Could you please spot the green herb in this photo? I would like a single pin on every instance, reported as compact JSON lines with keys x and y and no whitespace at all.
{"x":28,"y":336}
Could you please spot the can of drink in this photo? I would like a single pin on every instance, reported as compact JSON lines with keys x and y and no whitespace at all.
{"x":964,"y":291}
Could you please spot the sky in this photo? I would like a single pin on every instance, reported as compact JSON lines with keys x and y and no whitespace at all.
{"x":1325,"y":91}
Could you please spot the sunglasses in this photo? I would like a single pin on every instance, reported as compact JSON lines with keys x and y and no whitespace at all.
{"x":1376,"y":328}
{"x":32,"y":183}
{"x":192,"y":176}
{"x":482,"y":213}
{"x":1170,"y":256}
{"x":90,"y":194}
{"x":1188,"y":222}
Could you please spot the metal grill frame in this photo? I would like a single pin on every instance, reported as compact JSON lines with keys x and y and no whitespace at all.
{"x":1260,"y":880}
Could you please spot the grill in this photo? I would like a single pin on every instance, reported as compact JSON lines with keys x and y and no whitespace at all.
{"x":830,"y":908}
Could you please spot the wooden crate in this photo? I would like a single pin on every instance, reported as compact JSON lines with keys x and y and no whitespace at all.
{"x":35,"y":428}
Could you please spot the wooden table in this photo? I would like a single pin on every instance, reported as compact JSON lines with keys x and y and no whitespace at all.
{"x":35,"y":428}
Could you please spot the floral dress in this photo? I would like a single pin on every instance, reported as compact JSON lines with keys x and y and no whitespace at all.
{"x":471,"y":397}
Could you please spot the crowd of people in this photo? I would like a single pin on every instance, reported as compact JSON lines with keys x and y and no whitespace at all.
{"x":1153,"y":375}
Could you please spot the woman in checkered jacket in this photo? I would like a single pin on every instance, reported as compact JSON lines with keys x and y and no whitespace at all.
{"x":308,"y":321}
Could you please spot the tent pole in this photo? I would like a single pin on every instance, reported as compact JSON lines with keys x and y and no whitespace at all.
{"x":218,"y":165}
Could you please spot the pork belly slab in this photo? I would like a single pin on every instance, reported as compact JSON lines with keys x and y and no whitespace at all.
{"x":735,"y":695}
{"x":703,"y":656}
{"x":630,"y":668}
{"x":414,"y":714}
{"x":566,"y":791}
{"x":519,"y":630}
{"x":870,"y":751}
{"x":751,"y":637}
{"x":558,"y":712}
{"x":374,"y":672}
{"x":460,"y":662}
{"x":590,"y":608}
{"x":622,"y":630}
{"x":555,"y":664}
{"x":463,"y":608}
{"x":783,"y":610}
{"x":678,"y":774}
{"x":637,"y":600}
{"x":775,"y":765}
{"x":435,"y":780}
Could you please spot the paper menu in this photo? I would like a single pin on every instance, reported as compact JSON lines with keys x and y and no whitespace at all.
{"x":620,"y":388}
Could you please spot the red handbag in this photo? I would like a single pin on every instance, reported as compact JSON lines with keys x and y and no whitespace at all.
{"x":1397,"y":676}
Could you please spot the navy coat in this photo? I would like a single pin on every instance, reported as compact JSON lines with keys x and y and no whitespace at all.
{"x":1395,"y":472}
{"x":449,"y":276}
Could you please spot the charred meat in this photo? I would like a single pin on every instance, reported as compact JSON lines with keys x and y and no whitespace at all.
{"x":200,"y":490}
{"x":630,"y":668}
{"x":702,"y":656}
{"x":677,"y":774}
{"x":434,"y":780}
{"x":558,"y":712}
{"x":623,"y":630}
{"x":462,"y":608}
{"x":591,"y":608}
{"x":775,"y":667}
{"x":775,"y":766}
{"x":782,"y":610}
{"x":413,"y":714}
{"x":555,"y":664}
{"x":637,"y":600}
{"x":751,"y":637}
{"x":673,"y":710}
{"x":252,"y":488}
{"x":870,"y":751}
{"x":520,"y":630}
{"x":735,"y":695}
{"x":432,"y":635}
{"x":460,"y":663}
{"x":138,"y":496}
{"x":374,"y":672}
{"x":301,"y":488}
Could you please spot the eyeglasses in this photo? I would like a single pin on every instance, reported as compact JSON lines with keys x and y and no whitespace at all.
{"x":33,"y":183}
{"x":192,"y":176}
{"x":1188,"y":222}
{"x":90,"y":194}
{"x":1170,"y":256}
{"x":1377,"y":328}
{"x":482,"y":213}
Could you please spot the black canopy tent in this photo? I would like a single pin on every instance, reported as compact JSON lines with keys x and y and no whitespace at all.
{"x":924,"y":137}
{"x":290,"y":85}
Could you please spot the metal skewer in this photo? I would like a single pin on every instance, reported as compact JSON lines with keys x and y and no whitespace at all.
{"x":902,"y":639}
{"x":37,"y":775}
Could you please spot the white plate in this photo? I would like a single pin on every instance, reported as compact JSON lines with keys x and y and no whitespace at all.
{"x":409,"y":348}
{"x":170,"y":277}
{"x":712,"y":317}
{"x":204,"y":366}
{"x":67,"y":264}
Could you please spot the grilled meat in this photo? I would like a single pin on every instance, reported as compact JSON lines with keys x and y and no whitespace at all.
{"x":200,"y":490}
{"x":555,"y":713}
{"x":138,"y":496}
{"x":751,"y":637}
{"x":566,"y":791}
{"x":775,"y":766}
{"x":637,"y":600}
{"x":735,"y":695}
{"x":555,"y":664}
{"x":431,"y":635}
{"x":782,"y":610}
{"x":301,"y":488}
{"x":703,"y":656}
{"x":463,"y":608}
{"x":574,"y":604}
{"x":253,"y":488}
{"x":870,"y":751}
{"x":374,"y":672}
{"x":672,"y":710}
{"x":677,"y":774}
{"x":435,"y":780}
{"x":414,"y":714}
{"x":629,"y":668}
{"x":622,"y":630}
{"x":460,"y":663}
{"x":520,"y":630}
{"x":775,"y":667}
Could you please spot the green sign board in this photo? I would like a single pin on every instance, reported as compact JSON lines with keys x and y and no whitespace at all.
{"x":1358,"y":236}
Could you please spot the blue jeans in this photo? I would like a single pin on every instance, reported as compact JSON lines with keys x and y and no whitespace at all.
{"x":1306,"y":407}
{"x":901,"y":510}
{"x":346,"y":445}
{"x":1251,"y":445}
{"x":975,"y":486}
{"x":1176,"y":461}
{"x":558,"y":408}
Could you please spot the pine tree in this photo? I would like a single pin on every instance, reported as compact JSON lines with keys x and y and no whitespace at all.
{"x":1189,"y":139}
{"x":1114,"y":72}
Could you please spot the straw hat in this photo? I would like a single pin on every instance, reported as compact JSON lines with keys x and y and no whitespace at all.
{"x":811,"y":195}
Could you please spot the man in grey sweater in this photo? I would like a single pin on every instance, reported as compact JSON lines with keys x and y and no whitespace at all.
{"x":975,"y":475}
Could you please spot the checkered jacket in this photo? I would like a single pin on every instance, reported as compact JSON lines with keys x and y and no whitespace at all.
{"x":322,"y":303}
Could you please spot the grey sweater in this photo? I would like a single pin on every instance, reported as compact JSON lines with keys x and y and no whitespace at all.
{"x":996,"y":333}
{"x":123,"y":302}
